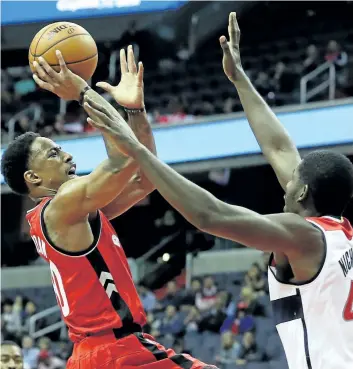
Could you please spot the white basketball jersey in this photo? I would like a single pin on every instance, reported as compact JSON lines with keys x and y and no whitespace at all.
{"x":315,"y":319}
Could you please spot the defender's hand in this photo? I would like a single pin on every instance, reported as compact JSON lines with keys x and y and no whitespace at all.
{"x":64,"y":84}
{"x":231,"y":52}
{"x":111,"y":123}
{"x":129,"y":91}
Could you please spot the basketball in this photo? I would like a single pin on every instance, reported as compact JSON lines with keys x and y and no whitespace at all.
{"x":75,"y":43}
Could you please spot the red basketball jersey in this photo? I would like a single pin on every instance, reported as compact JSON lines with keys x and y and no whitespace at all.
{"x":94,"y":288}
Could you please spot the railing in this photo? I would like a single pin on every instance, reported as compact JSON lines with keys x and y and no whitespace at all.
{"x":330,"y":83}
{"x":50,"y":328}
{"x":12,"y":121}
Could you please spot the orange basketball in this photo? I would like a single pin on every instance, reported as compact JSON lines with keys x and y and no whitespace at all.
{"x":75,"y":43}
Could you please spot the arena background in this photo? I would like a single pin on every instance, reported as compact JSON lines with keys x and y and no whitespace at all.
{"x":200,"y":130}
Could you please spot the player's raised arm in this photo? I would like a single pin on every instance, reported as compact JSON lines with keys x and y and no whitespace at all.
{"x":287,"y":233}
{"x":272,"y":137}
{"x":79,"y":197}
{"x":129,"y":94}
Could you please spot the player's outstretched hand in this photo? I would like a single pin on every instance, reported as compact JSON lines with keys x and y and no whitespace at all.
{"x":109,"y":121}
{"x":231,"y":52}
{"x":129,"y":91}
{"x":64,"y":84}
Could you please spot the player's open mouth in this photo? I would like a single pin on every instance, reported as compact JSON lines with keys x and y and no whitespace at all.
{"x":72,"y":170}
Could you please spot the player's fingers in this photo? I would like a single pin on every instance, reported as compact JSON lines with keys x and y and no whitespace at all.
{"x":96,"y":111}
{"x":96,"y":124}
{"x":140,"y":73}
{"x":41,"y":73}
{"x":224,"y":44}
{"x":97,"y":106}
{"x":131,"y":60}
{"x":63,"y":66}
{"x":231,"y":27}
{"x":42,"y":84}
{"x":48,"y":69}
{"x":123,"y":63}
{"x":105,"y":86}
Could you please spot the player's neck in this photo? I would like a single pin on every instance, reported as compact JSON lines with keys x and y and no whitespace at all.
{"x":41,"y":192}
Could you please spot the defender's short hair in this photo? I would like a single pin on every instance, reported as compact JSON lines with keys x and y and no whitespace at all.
{"x":329,"y":177}
{"x":14,"y":162}
{"x":9,"y":343}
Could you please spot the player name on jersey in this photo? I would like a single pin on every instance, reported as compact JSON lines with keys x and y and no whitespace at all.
{"x":346,"y":262}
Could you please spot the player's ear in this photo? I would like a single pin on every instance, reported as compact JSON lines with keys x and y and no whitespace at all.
{"x":303,"y":193}
{"x":32,"y":178}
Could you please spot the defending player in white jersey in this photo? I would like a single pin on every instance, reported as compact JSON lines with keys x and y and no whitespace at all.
{"x":311,"y":281}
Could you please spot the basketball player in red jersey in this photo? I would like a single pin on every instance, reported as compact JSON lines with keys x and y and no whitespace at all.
{"x":311,"y":281}
{"x":71,"y":230}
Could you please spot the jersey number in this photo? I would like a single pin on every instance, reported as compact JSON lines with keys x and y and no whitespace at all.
{"x":348,"y":309}
{"x":59,"y":289}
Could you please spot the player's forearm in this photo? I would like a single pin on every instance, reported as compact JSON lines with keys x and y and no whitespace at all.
{"x":268,"y":130}
{"x":193,"y":202}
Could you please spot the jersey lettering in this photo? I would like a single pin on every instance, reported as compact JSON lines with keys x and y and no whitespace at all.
{"x":348,"y":310}
{"x":59,"y":289}
{"x":40,"y":246}
{"x":346,"y":262}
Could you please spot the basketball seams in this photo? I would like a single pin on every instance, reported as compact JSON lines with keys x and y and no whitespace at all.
{"x":35,"y":49}
{"x":75,"y":62}
{"x":58,"y":42}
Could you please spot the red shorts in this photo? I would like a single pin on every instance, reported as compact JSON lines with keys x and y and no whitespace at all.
{"x":137,"y":350}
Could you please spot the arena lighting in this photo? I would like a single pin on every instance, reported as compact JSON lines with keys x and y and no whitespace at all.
{"x":166,"y":257}
{"x":70,"y":5}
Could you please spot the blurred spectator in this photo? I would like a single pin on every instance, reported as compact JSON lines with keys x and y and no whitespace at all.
{"x":191,"y":322}
{"x":63,"y":350}
{"x":179,"y":347}
{"x":206,"y":299}
{"x":30,"y":353}
{"x":335,"y":54}
{"x":30,"y":310}
{"x":214,"y":319}
{"x":249,"y":351}
{"x":173,"y":295}
{"x":229,"y":105}
{"x":189,"y":297}
{"x":263,"y":83}
{"x":171,"y":323}
{"x":25,"y":84}
{"x":11,"y":356}
{"x":22,"y":125}
{"x":239,"y":324}
{"x":255,"y":279}
{"x":312,"y":59}
{"x":285,"y":79}
{"x":148,"y":298}
{"x":249,"y":303}
{"x":230,"y":349}
{"x":46,"y":358}
{"x":11,"y":321}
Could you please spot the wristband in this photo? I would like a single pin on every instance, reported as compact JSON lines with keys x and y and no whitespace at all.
{"x":82,"y":94}
{"x":134,"y":111}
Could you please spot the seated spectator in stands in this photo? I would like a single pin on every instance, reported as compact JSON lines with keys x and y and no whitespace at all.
{"x":152,"y":325}
{"x":29,"y":311}
{"x":191,"y":322}
{"x":25,"y":85}
{"x":255,"y":280}
{"x":148,"y":298}
{"x":174,"y":113}
{"x":30,"y":353}
{"x":229,"y":105}
{"x":11,"y":321}
{"x":207,"y":298}
{"x":189,"y":297}
{"x":63,"y":350}
{"x":263,"y":83}
{"x":171,"y":323}
{"x":284,"y":78}
{"x":335,"y":54}
{"x":239,"y":324}
{"x":230,"y":349}
{"x":48,"y":361}
{"x":179,"y":347}
{"x":249,"y":350}
{"x":249,"y":303}
{"x":213,"y":320}
{"x":11,"y":356}
{"x":311,"y":61}
{"x":59,"y":124}
{"x":173,"y":295}
{"x":22,"y":125}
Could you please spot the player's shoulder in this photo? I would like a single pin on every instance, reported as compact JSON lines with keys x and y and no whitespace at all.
{"x":332,"y":224}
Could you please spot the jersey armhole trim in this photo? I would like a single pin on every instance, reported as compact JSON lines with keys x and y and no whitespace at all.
{"x":96,"y":236}
{"x":322,"y":263}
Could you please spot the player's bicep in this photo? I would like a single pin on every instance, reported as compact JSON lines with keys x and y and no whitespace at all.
{"x":283,"y":162}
